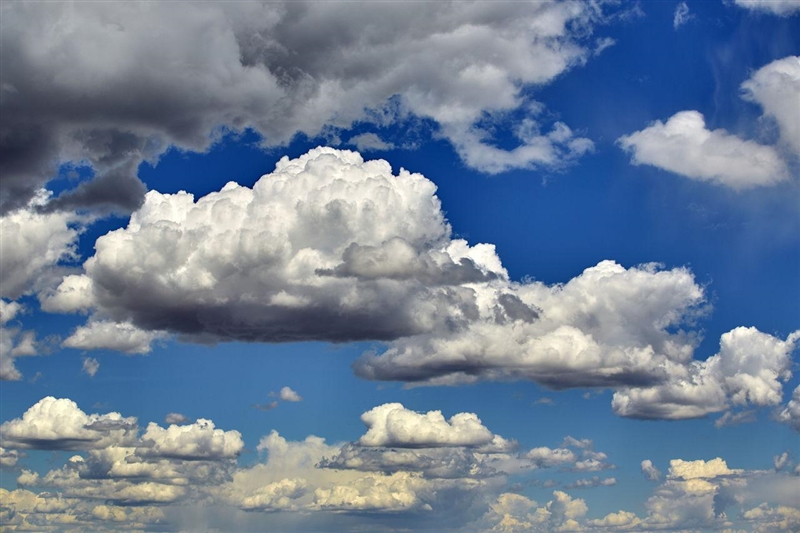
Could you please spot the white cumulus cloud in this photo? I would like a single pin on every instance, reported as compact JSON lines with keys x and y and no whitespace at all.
{"x":684,"y":145}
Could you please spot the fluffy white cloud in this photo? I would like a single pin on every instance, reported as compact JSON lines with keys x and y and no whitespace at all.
{"x":32,"y":245}
{"x":108,"y":335}
{"x":58,"y":424}
{"x":748,"y":370}
{"x":605,"y":327}
{"x":513,"y":513}
{"x":685,"y":146}
{"x":327,"y":247}
{"x":278,"y":68}
{"x":8,"y":458}
{"x":196,"y":441}
{"x":776,"y":87}
{"x":392,"y":424}
{"x":678,"y":468}
{"x":776,"y":7}
{"x":288,"y":395}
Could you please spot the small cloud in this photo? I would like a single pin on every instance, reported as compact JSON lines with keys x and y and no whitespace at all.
{"x":176,"y":418}
{"x":544,"y":401}
{"x":36,"y":377}
{"x":603,"y":43}
{"x":731,"y":419}
{"x":265,"y":406}
{"x":366,"y":142}
{"x":90,"y":366}
{"x":650,"y":472}
{"x":682,"y":15}
{"x":288,"y":395}
{"x":595,"y":481}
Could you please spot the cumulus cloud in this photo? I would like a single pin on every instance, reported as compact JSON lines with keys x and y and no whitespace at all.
{"x":200,"y":440}
{"x":776,"y":88}
{"x":683,"y":145}
{"x":682,"y":15}
{"x":650,"y":472}
{"x":145,"y":480}
{"x":328,"y":247}
{"x":108,"y":335}
{"x":90,"y":366}
{"x":288,"y":395}
{"x":59,"y":424}
{"x":748,"y":370}
{"x":24,"y":510}
{"x":8,"y":458}
{"x":33,"y":243}
{"x":783,"y":8}
{"x":598,"y":329}
{"x":277,"y":68}
{"x":392,"y":424}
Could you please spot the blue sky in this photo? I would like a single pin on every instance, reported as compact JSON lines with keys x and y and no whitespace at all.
{"x":623,"y":358}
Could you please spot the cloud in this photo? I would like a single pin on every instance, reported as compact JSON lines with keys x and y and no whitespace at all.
{"x":13,"y":341}
{"x":330,"y":247}
{"x":288,"y":395}
{"x":392,"y":424}
{"x":776,"y":88}
{"x":683,"y":145}
{"x":650,"y":472}
{"x":277,"y":68}
{"x":145,"y":481}
{"x":790,"y":414}
{"x":175,"y":418}
{"x":597,"y":330}
{"x":687,"y":470}
{"x":26,"y":510}
{"x":192,"y":442}
{"x":783,"y":8}
{"x":365,"y":142}
{"x":592,"y":482}
{"x":90,"y":366}
{"x":33,"y":244}
{"x":682,"y":15}
{"x":8,"y":458}
{"x":269,"y":406}
{"x":58,"y":424}
{"x":326,"y":242}
{"x":748,"y":370}
{"x":108,"y":335}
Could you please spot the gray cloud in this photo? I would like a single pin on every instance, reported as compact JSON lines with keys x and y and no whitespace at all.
{"x":139,"y":77}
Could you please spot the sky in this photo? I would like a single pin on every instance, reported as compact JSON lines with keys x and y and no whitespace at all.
{"x":391,"y":266}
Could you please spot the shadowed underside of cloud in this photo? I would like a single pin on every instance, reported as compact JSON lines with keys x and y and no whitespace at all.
{"x":125,"y":81}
